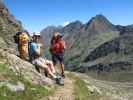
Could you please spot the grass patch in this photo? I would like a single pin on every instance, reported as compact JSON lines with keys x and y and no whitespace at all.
{"x":81,"y":91}
{"x":80,"y":87}
{"x":3,"y":67}
{"x":31,"y":92}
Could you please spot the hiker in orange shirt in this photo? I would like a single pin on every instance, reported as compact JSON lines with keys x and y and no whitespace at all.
{"x":23,"y":45}
{"x":57,"y":50}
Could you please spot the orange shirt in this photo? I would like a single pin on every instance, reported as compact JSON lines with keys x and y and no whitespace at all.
{"x":23,"y":39}
{"x":58,"y":46}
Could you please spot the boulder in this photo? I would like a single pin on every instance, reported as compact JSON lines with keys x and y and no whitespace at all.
{"x":24,"y":68}
{"x":16,"y":88}
{"x":2,"y":43}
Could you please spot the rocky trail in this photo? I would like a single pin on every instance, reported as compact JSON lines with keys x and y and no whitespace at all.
{"x":103,"y":90}
{"x":65,"y":92}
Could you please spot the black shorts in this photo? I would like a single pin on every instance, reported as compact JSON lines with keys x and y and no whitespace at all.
{"x":58,"y":58}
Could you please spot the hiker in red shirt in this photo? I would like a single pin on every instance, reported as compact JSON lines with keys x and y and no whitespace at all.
{"x":57,"y":50}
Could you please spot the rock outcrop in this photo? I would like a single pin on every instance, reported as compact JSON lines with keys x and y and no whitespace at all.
{"x":23,"y":68}
{"x":9,"y":25}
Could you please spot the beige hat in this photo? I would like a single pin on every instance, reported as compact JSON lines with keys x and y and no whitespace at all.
{"x":55,"y":34}
{"x":36,"y":35}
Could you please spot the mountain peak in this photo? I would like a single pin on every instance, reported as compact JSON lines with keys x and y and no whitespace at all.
{"x":73,"y":27}
{"x":100,"y":16}
{"x":98,"y":19}
{"x":77,"y":22}
{"x":99,"y":23}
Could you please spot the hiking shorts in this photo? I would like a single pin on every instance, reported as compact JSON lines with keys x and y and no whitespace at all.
{"x":58,"y":58}
{"x":39,"y":62}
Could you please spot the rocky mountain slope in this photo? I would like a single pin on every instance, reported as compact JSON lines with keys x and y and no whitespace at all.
{"x":18,"y":78}
{"x":115,"y":54}
{"x":82,"y":39}
{"x":9,"y":25}
{"x":96,"y":32}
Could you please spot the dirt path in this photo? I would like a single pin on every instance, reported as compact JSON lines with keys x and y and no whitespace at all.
{"x":65,"y":92}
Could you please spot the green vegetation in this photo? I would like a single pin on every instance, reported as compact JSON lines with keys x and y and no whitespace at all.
{"x":81,"y":90}
{"x":3,"y":67}
{"x":31,"y":92}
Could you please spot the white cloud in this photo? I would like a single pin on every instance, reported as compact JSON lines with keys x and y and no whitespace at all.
{"x":66,"y":23}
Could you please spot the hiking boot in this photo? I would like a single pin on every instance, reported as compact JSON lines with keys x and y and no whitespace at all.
{"x":60,"y":81}
{"x":54,"y":77}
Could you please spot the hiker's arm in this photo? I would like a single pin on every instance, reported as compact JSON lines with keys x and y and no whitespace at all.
{"x":41,"y":48}
{"x":38,"y":51}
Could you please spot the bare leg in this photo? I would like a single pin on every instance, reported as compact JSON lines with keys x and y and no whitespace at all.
{"x":62,"y":68}
{"x":51,"y":66}
{"x":48,"y":71}
{"x":41,"y":63}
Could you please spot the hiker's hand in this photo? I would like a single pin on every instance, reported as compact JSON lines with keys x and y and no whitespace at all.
{"x":40,"y":45}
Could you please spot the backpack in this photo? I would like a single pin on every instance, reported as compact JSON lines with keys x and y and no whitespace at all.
{"x":29,"y":49}
{"x":16,"y":37}
{"x":23,"y":38}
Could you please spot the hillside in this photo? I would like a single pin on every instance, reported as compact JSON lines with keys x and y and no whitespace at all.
{"x":9,"y":25}
{"x":18,"y":78}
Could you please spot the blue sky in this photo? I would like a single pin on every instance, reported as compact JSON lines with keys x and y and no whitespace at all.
{"x":38,"y":14}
